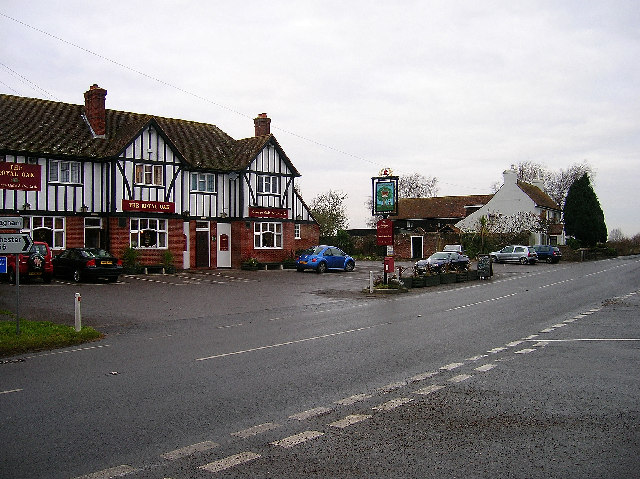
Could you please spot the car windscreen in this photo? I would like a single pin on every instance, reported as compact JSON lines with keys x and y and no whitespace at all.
{"x":440,"y":255}
{"x":96,"y":253}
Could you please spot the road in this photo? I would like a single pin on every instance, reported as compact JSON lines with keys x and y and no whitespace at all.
{"x":282,"y":374}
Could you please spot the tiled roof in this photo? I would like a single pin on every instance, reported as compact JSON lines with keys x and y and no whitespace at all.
{"x":37,"y":127}
{"x":539,"y":197}
{"x":439,"y":207}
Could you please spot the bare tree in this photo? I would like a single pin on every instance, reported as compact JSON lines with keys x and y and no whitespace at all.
{"x":416,"y":185}
{"x":329,"y":211}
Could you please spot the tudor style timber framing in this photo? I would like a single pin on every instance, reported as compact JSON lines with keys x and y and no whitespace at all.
{"x":108,"y":176}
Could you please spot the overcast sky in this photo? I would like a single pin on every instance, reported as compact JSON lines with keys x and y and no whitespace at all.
{"x":459,"y":90}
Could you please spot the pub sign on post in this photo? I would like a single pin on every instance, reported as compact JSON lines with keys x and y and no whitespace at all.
{"x":385,"y":195}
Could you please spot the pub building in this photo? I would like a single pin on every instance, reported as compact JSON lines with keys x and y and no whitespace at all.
{"x":84,"y":175}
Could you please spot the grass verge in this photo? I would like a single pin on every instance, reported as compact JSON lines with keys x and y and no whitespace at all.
{"x":39,"y":335}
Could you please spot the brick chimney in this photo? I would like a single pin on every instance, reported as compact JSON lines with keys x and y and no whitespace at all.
{"x":94,"y":101}
{"x":262,"y":124}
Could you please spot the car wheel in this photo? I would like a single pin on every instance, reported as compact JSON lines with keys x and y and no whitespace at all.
{"x":77,"y":275}
{"x":523,"y":260}
{"x":321,"y":268}
{"x":549,"y":260}
{"x":349,"y":266}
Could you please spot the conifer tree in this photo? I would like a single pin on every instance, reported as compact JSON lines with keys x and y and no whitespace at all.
{"x":583,"y":216}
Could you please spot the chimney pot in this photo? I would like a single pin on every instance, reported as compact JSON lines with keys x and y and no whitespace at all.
{"x":94,"y":106}
{"x":262,"y":124}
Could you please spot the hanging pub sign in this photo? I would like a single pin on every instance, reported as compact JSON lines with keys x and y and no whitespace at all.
{"x":385,"y":193}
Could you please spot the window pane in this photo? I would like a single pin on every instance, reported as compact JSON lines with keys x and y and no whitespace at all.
{"x":60,"y":223}
{"x":139,"y":174}
{"x":75,"y":172}
{"x":211,"y":183}
{"x":64,"y":171}
{"x":53,"y":171}
{"x":58,"y":239}
{"x":48,"y":222}
{"x":134,"y":224}
{"x":134,"y":240}
{"x":194,"y":181}
{"x":157,"y":175}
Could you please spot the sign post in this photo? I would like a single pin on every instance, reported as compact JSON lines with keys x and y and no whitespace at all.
{"x":15,"y":243}
{"x":384,"y":203}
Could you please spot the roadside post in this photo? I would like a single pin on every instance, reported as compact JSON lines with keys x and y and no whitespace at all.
{"x":14,"y":243}
{"x":385,"y":203}
{"x":78,"y":314}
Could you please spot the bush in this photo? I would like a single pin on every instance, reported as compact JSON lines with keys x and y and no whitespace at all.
{"x":130,"y":260}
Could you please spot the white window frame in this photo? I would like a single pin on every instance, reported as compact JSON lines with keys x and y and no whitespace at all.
{"x":66,"y":172}
{"x":267,"y":235}
{"x":203,"y":182}
{"x":148,"y":174}
{"x":159,"y":225}
{"x":296,"y":231}
{"x":268,"y":185}
{"x":55,"y":223}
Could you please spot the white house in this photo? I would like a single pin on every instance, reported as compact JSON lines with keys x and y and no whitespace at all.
{"x":517,"y":198}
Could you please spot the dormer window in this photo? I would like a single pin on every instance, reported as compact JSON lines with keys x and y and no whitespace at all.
{"x":268,"y":184}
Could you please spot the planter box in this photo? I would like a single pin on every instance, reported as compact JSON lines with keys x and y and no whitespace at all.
{"x":407,"y":282}
{"x":473,"y":274}
{"x":448,"y":278}
{"x":432,"y":280}
{"x":462,"y":276}
{"x":417,"y":281}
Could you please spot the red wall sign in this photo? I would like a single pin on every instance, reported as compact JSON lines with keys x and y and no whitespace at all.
{"x":148,"y":206}
{"x":262,"y":212}
{"x":384,"y":235}
{"x":224,"y":242}
{"x":20,"y":176}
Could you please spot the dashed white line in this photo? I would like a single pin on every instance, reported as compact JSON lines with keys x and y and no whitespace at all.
{"x":292,"y":441}
{"x":486,"y":367}
{"x":394,"y":403}
{"x":525,"y":351}
{"x":451,"y":366}
{"x":349,"y":420}
{"x":110,"y":473}
{"x":255,"y":430}
{"x":421,"y":377}
{"x":459,"y":378}
{"x":429,"y":389}
{"x":231,"y":461}
{"x":189,"y":450}
{"x":319,"y":411}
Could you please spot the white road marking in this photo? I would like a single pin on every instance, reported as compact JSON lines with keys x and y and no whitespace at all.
{"x":189,"y":450}
{"x":288,"y":343}
{"x":451,"y":366}
{"x":423,"y":376}
{"x":67,"y":351}
{"x":559,"y":325}
{"x":230,"y":461}
{"x":548,"y":330}
{"x":478,"y":357}
{"x":459,"y":378}
{"x":319,"y":411}
{"x":497,"y":350}
{"x":291,"y":441}
{"x":110,"y":473}
{"x":486,"y":367}
{"x":589,"y":339}
{"x":353,"y":399}
{"x":255,"y":430}
{"x":481,"y":302}
{"x":514,"y":343}
{"x":540,"y":344}
{"x":525,"y":351}
{"x":11,"y":391}
{"x":429,"y":389}
{"x":391,"y":387}
{"x":394,"y":403}
{"x":349,"y":420}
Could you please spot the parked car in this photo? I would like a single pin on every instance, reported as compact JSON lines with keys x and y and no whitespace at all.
{"x":548,"y":253}
{"x":87,"y":263}
{"x":322,"y":258}
{"x":515,"y":253}
{"x":442,"y":260}
{"x":454,"y":247}
{"x":37,"y":263}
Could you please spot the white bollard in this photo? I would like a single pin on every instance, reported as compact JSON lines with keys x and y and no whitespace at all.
{"x":370,"y":281}
{"x":78,"y":315}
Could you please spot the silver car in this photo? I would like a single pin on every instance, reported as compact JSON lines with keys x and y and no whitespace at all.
{"x":515,"y":253}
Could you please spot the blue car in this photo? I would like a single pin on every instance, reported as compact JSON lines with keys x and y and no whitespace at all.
{"x":322,"y":258}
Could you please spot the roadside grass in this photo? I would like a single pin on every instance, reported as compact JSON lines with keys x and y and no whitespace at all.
{"x":39,"y":335}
